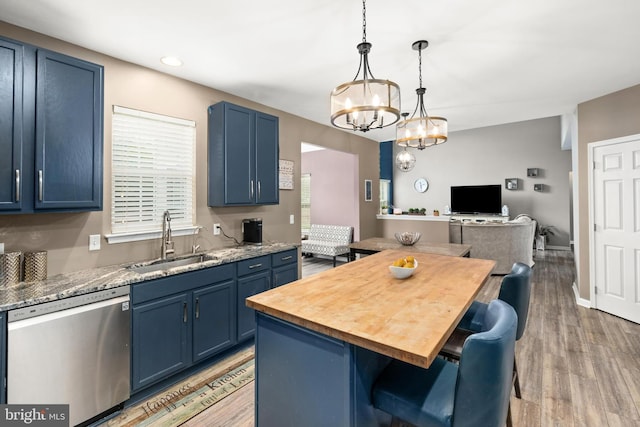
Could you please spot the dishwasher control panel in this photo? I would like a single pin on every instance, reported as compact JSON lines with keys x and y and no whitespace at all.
{"x":67,"y":303}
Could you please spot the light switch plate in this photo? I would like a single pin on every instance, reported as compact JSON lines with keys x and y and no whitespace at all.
{"x":94,"y":242}
{"x":1,"y":248}
{"x":292,"y":219}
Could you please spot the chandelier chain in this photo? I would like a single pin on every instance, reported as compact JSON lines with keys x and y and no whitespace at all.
{"x":364,"y":21}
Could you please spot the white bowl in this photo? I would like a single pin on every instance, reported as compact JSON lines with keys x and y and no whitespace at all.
{"x":402,"y":272}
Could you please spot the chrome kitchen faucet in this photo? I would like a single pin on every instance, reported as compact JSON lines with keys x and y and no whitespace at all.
{"x":167,"y":243}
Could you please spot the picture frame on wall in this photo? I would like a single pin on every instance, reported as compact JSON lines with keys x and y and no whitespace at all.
{"x":367,"y":190}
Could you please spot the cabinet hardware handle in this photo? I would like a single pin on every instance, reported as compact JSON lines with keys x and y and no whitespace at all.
{"x":40,"y":185}
{"x":252,"y":189}
{"x":197,"y":308}
{"x":285,"y":258}
{"x":255,"y":266}
{"x":184,"y":312}
{"x":258,"y":190}
{"x":17,"y":185}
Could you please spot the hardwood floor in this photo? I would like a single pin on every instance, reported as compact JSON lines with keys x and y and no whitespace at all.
{"x":578,"y":366}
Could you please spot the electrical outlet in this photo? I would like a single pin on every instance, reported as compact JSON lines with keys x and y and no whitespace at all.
{"x":216,"y":229}
{"x":94,"y":242}
{"x":292,"y":219}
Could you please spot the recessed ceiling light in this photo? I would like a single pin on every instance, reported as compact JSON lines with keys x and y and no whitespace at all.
{"x":171,"y":60}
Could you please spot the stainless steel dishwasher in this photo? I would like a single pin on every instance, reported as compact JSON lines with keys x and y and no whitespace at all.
{"x":72,"y":351}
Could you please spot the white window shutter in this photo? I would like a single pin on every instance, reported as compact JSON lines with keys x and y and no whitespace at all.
{"x":152,"y":171}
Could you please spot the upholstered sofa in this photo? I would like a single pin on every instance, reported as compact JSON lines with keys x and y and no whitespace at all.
{"x":504,"y":243}
{"x":330,"y":240}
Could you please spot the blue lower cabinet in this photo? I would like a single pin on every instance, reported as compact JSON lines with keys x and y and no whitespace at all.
{"x":248,"y":286}
{"x":180,"y":320}
{"x":285,"y":267}
{"x":254,"y":276}
{"x":159,"y":340}
{"x":213,"y":328}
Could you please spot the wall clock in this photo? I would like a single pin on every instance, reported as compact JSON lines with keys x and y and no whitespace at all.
{"x":421,"y":185}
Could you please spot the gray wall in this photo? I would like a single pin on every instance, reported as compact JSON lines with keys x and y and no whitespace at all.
{"x":490,"y":155}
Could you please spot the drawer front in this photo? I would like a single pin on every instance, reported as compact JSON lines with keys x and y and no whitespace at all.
{"x":183,"y":282}
{"x":253,"y":265}
{"x":283,"y":258}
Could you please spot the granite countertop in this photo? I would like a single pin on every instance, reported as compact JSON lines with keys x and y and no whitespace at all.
{"x":96,"y":279}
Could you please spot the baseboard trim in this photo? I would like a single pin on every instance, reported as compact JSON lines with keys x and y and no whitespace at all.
{"x":559,"y":248}
{"x":580,"y":301}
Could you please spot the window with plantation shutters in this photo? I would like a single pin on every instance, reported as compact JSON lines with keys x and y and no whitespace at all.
{"x":152,"y":171}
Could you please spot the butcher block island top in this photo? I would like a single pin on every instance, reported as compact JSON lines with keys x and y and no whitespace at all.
{"x":363,"y":304}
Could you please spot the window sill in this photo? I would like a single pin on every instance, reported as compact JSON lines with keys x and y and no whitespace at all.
{"x":149,"y":235}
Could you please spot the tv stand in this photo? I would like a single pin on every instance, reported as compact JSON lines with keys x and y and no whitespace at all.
{"x":479,"y":217}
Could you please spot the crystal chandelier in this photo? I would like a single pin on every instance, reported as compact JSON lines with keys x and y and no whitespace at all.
{"x":405,"y":161}
{"x":421,"y":130}
{"x":368,"y":103}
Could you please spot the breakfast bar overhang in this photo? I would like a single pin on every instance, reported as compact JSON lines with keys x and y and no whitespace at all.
{"x":322,"y":341}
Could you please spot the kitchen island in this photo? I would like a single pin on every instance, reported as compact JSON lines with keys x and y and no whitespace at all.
{"x":322,"y":341}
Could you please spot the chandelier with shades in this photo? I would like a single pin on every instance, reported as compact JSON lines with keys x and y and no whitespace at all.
{"x":368,"y":103}
{"x":421,"y":130}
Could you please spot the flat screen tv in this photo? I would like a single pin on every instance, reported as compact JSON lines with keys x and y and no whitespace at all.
{"x":471,"y":199}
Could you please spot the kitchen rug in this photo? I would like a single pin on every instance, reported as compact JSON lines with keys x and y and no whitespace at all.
{"x":186,"y":399}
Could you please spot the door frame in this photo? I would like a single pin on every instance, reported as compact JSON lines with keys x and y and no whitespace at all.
{"x":591,"y":200}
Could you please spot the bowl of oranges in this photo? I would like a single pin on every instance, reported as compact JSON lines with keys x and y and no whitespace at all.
{"x":403,"y":267}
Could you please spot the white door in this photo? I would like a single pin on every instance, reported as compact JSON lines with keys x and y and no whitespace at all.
{"x":615,"y":190}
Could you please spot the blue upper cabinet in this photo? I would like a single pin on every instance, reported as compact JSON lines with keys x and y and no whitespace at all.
{"x":243,"y":156}
{"x":69,"y":116}
{"x":11,"y":59}
{"x":51,"y":125}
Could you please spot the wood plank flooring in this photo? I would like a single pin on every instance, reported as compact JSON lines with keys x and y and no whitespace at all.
{"x":578,"y":366}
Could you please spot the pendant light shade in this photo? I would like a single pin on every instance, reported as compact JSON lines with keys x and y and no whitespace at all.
{"x":366,"y":102}
{"x":421,"y":130}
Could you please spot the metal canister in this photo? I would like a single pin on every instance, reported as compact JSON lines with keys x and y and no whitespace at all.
{"x":35,"y":266}
{"x":10,"y":268}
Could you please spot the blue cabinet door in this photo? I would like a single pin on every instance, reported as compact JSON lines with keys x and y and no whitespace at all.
{"x":239,"y":182}
{"x":11,"y":77}
{"x":284,"y":275}
{"x":68,"y":134}
{"x":267,"y":159}
{"x":213,"y":319}
{"x":248,"y":286}
{"x":159,"y":340}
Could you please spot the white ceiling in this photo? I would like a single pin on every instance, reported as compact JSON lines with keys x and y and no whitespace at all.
{"x":489,"y":61}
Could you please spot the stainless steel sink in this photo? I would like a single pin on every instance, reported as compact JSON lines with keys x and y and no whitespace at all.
{"x":167,"y":264}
